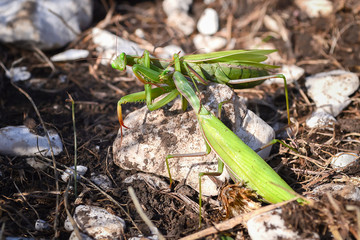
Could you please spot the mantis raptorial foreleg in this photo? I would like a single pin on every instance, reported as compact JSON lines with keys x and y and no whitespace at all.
{"x":235,"y":68}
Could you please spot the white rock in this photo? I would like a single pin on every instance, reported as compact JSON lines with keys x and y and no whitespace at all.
{"x":315,"y":8}
{"x":99,"y":223}
{"x":349,"y":192}
{"x":139,"y":33}
{"x":331,"y":90}
{"x":208,"y":23}
{"x":111,"y":45}
{"x":44,"y":23}
{"x":271,"y":226}
{"x":101,"y":180}
{"x":81,"y":170}
{"x":69,"y":55}
{"x":206,"y":44}
{"x":172,"y":6}
{"x":20,"y":141}
{"x":17,"y":74}
{"x":320,"y":118}
{"x":341,"y":159}
{"x":41,"y":225}
{"x":181,"y":21}
{"x":154,"y":135}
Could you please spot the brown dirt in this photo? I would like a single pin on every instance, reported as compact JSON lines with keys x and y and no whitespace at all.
{"x":95,"y":92}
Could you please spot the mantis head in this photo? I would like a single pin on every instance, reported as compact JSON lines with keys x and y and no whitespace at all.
{"x":120,"y":62}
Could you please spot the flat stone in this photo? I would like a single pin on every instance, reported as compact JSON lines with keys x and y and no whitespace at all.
{"x":331,"y":90}
{"x":43,"y":23}
{"x":21,"y":141}
{"x":99,"y":223}
{"x":342,"y":160}
{"x":154,"y":135}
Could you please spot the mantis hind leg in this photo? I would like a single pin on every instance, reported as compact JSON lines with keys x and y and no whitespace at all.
{"x":276,"y":141}
{"x":199,"y":154}
{"x":256,"y":79}
{"x":201,"y":174}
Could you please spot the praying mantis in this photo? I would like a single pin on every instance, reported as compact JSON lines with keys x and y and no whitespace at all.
{"x":243,"y":163}
{"x":236,"y":68}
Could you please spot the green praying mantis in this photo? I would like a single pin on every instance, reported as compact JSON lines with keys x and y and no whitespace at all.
{"x":243,"y":163}
{"x":236,"y":68}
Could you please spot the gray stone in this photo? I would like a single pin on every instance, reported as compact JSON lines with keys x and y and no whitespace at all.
{"x":21,"y":141}
{"x":99,"y":223}
{"x":44,"y":23}
{"x":81,"y":170}
{"x":331,"y":90}
{"x":341,"y":159}
{"x":101,"y":180}
{"x":154,"y":135}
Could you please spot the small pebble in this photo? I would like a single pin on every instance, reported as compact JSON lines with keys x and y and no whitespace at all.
{"x":341,"y":159}
{"x":140,"y":33}
{"x":17,"y":74}
{"x":208,"y":23}
{"x":41,"y":225}
{"x":99,"y":223}
{"x":101,"y":180}
{"x":69,"y":55}
{"x":81,"y":170}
